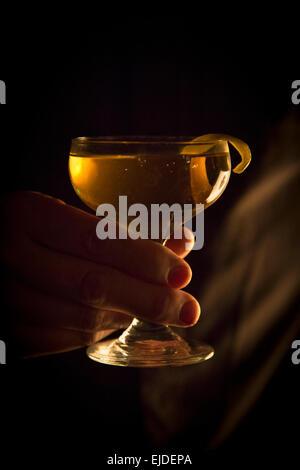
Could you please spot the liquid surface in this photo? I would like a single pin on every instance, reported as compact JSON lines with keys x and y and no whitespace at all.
{"x":180,"y":179}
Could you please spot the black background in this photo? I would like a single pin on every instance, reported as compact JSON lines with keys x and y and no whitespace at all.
{"x":116,"y":76}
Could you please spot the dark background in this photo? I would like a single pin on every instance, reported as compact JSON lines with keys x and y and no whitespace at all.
{"x":131,"y":75}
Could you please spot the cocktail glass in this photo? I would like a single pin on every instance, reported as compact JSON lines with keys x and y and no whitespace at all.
{"x":153,"y":170}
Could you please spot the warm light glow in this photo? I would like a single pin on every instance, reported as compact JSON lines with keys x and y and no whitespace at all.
{"x":75,"y":166}
{"x":200,"y":185}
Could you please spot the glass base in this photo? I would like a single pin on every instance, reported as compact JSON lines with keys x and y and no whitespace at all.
{"x":149,"y":345}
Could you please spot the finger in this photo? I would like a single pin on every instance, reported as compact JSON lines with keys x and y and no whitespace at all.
{"x":33,"y":340}
{"x":69,"y":230}
{"x":183,"y":245}
{"x":104,"y":287}
{"x":37,"y":308}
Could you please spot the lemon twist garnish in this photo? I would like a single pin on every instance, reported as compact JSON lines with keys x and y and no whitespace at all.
{"x":242,"y":148}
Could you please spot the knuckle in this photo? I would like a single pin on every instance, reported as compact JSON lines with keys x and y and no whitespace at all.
{"x":92,"y":289}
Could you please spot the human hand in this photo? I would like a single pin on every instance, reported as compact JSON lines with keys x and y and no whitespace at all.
{"x":67,"y":289}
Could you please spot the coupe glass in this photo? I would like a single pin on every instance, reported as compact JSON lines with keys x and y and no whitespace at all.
{"x":148,"y":170}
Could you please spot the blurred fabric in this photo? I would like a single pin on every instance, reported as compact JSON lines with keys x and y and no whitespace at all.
{"x":250,"y":305}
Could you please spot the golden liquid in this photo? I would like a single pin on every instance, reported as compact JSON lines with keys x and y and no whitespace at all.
{"x":180,"y":179}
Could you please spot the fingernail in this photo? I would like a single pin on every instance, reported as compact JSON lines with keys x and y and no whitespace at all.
{"x":179,"y":276}
{"x":189,"y":313}
{"x":189,"y":245}
{"x":188,"y":235}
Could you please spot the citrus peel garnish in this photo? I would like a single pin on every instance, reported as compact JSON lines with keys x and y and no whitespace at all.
{"x":242,"y":148}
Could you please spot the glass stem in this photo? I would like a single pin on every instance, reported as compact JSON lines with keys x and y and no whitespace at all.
{"x":142,"y":327}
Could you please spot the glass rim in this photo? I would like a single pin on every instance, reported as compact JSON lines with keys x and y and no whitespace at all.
{"x":143,"y":139}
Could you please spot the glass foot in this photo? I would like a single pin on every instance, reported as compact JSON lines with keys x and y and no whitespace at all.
{"x":148,"y":345}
